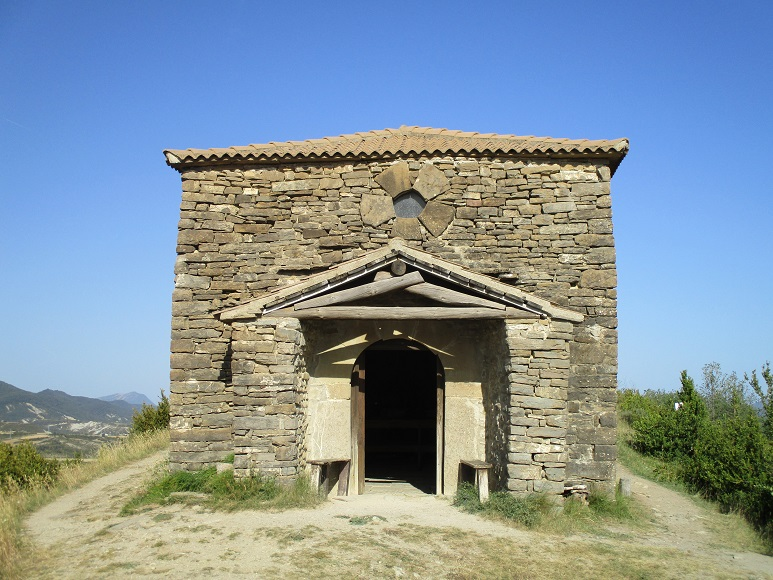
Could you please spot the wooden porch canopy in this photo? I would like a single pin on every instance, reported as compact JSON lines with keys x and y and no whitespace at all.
{"x":399,"y":282}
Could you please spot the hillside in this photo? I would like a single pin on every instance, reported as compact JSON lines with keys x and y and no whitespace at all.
{"x":57,"y":412}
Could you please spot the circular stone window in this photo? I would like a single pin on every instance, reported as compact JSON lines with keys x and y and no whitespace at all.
{"x":409,"y":204}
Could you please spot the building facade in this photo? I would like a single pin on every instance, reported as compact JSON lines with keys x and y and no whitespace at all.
{"x":403,"y":300}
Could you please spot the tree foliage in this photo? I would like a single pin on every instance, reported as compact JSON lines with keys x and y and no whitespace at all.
{"x":765,"y":395}
{"x":721,"y":446}
{"x":151,"y":417}
{"x":23,"y":466}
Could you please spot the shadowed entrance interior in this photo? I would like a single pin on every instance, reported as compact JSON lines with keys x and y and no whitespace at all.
{"x":400,"y":390}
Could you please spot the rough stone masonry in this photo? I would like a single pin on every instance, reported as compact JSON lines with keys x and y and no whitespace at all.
{"x":523,"y":225}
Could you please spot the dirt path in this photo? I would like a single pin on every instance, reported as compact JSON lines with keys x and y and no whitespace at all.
{"x":683,"y":525}
{"x":373,"y":535}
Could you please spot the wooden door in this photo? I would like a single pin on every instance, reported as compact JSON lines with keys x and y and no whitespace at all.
{"x":441,"y":406}
{"x":358,"y":427}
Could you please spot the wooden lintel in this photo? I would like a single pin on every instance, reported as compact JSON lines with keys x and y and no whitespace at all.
{"x":364,"y":291}
{"x":448,"y":296}
{"x":401,"y":313}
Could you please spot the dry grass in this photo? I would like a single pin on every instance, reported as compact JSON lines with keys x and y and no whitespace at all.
{"x":16,"y":503}
{"x":411,"y":551}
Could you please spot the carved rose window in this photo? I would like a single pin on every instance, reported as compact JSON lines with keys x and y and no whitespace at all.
{"x":410,"y":204}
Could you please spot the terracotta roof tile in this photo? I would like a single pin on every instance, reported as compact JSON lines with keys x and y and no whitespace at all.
{"x":402,"y":141}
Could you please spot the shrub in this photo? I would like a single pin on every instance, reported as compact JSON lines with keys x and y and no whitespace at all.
{"x":151,"y":417}
{"x":668,"y":433}
{"x":765,"y":395}
{"x":733,"y":465}
{"x":23,"y":466}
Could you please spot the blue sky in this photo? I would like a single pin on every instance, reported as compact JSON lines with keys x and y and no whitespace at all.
{"x":92,"y":92}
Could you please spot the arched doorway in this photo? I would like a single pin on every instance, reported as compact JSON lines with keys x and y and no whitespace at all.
{"x":397,"y":416}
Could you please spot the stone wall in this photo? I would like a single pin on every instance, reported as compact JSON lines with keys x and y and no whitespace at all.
{"x":544,"y":226}
{"x":538,"y":374}
{"x":269,"y":386}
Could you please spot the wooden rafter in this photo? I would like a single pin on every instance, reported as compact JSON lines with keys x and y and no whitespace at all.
{"x":401,"y":313}
{"x":364,"y":291}
{"x":448,"y":296}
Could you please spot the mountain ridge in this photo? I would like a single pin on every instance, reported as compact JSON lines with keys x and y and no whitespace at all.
{"x":53,"y":410}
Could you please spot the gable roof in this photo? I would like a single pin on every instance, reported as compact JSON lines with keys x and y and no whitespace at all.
{"x":337,"y":276}
{"x":403,"y":141}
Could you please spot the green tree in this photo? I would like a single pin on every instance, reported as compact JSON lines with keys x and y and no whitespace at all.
{"x":765,"y":395}
{"x":725,"y":394}
{"x":151,"y":417}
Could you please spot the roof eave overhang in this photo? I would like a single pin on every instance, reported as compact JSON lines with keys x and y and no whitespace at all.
{"x":178,"y":159}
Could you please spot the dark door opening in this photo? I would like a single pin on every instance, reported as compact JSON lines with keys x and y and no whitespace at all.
{"x":401,"y":415}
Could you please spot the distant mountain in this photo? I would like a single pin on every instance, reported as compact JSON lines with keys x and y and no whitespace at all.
{"x":56,"y":411}
{"x":133,"y":398}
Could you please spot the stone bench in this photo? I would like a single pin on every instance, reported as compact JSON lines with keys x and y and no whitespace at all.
{"x":480,"y":478}
{"x":325,"y":472}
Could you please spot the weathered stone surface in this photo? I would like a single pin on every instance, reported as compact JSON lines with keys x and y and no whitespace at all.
{"x":188,"y":281}
{"x":430,"y":182}
{"x":396,"y":179}
{"x":247,"y":230}
{"x":598,"y":279}
{"x":517,"y":471}
{"x":563,"y":206}
{"x":436,"y":217}
{"x":407,"y":229}
{"x":376,"y":209}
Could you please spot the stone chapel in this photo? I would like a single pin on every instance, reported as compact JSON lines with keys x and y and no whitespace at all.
{"x":400,"y":303}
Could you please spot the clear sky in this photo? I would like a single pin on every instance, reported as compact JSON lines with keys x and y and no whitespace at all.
{"x":92,"y":92}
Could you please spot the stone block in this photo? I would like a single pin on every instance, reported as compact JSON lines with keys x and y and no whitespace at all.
{"x":376,"y":209}
{"x":267,"y":423}
{"x":597,"y":470}
{"x":430,"y":182}
{"x":396,"y":179}
{"x":551,"y":457}
{"x":605,"y":452}
{"x":547,"y":432}
{"x":516,"y":485}
{"x":520,"y":471}
{"x":554,"y":486}
{"x":436,"y":217}
{"x":520,"y":458}
{"x":193,"y":282}
{"x":598,"y":279}
{"x":407,"y":229}
{"x":559,"y":207}
{"x":190,"y":361}
{"x":195,"y":237}
{"x":536,"y":402}
{"x":264,"y":346}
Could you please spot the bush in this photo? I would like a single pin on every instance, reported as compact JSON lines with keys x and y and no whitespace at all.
{"x":151,"y":417}
{"x":668,"y":433}
{"x":733,"y":465}
{"x":23,"y":466}
{"x":765,"y":395}
{"x":721,"y":451}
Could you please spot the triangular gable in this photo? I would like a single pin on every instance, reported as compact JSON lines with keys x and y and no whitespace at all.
{"x":328,"y":290}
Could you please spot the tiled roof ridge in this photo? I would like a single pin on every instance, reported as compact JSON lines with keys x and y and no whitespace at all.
{"x":404,"y":140}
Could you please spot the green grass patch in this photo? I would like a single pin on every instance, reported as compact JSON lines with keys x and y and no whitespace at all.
{"x":223,"y":492}
{"x":538,"y":510}
{"x":527,"y":510}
